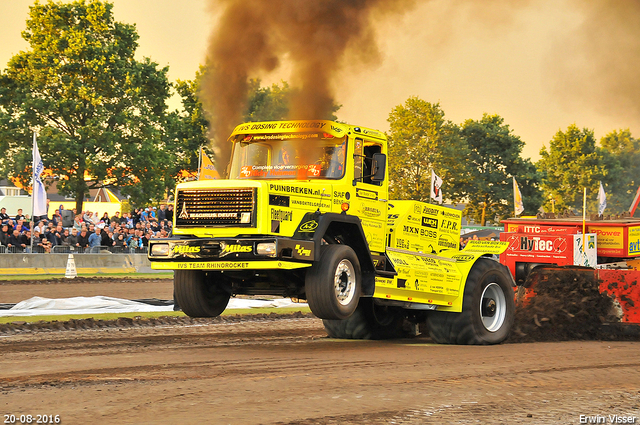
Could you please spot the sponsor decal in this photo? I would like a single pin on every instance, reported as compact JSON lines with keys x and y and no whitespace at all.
{"x":454,"y":215}
{"x":314,"y":170}
{"x":185,"y":249}
{"x":534,"y":243}
{"x":430,"y":211}
{"x":430,"y":222}
{"x":303,"y":252}
{"x":309,"y":226}
{"x":370,"y":211}
{"x":634,"y":240}
{"x":184,"y":214}
{"x":402,"y":243}
{"x":314,"y":204}
{"x":230,"y":249}
{"x":410,"y":229}
{"x":429,"y":261}
{"x":540,"y":229}
{"x":368,"y":194}
{"x":463,"y":258}
{"x":608,"y":237}
{"x":213,"y":265}
{"x":370,"y":132}
{"x":283,"y":125}
{"x":413,"y":218}
{"x":449,"y":225}
{"x":281,"y":215}
{"x":293,"y":189}
{"x":446,"y":242}
{"x":426,"y":233}
{"x":279,"y":200}
{"x":416,"y":208}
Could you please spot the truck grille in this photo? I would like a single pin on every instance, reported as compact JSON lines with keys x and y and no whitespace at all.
{"x":216,"y":207}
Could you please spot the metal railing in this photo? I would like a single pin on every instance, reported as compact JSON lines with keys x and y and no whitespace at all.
{"x":65,"y":249}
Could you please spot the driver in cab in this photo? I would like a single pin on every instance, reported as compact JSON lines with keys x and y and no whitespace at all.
{"x":336,"y":166}
{"x":287,"y":155}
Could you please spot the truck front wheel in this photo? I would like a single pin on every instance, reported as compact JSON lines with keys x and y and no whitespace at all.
{"x":487,"y":309}
{"x":198,"y":296}
{"x":333,"y":283}
{"x":369,"y":321}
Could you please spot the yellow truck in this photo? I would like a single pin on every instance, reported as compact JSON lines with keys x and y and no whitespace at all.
{"x":305,"y":214}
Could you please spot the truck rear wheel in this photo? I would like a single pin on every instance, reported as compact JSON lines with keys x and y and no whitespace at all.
{"x":332,"y":284}
{"x":198,"y":296}
{"x":369,"y":321}
{"x":487,"y":309}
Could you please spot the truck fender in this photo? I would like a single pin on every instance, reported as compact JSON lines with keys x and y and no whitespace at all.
{"x":343,"y":229}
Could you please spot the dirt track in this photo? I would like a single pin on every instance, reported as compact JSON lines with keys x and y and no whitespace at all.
{"x":287,"y":371}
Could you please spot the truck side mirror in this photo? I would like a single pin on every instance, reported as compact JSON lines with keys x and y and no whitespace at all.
{"x":379,"y":167}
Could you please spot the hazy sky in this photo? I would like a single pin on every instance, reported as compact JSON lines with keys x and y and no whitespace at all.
{"x":525,"y":60}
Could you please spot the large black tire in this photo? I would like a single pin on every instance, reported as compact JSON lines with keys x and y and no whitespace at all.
{"x":487,"y":309}
{"x":369,"y":321}
{"x":198,"y":296}
{"x":333,"y":283}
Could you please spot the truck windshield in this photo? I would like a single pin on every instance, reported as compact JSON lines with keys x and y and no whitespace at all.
{"x":288,"y":156}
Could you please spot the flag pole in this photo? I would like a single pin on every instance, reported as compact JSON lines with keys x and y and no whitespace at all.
{"x":33,"y":185}
{"x":431,"y":186}
{"x":634,"y":204}
{"x":584,"y":217}
{"x":199,"y":162}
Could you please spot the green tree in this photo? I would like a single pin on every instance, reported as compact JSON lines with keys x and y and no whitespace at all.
{"x":622,"y":157}
{"x":189,"y":127}
{"x":97,"y":110}
{"x":267,"y":103}
{"x":572,"y":163}
{"x":494,"y":159}
{"x":420,"y":139}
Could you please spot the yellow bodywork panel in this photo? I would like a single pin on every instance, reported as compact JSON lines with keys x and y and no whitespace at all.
{"x":227,"y":265}
{"x":433,"y":279}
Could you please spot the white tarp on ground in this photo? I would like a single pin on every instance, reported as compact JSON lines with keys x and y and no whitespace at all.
{"x":38,"y":306}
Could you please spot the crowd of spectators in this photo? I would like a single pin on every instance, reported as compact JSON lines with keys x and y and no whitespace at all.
{"x":85,"y":232}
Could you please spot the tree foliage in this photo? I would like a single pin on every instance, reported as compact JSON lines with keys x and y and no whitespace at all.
{"x":97,"y":110}
{"x":494,"y":159}
{"x":572,"y":163}
{"x":188,"y":127}
{"x":622,"y":161}
{"x":421,"y":139}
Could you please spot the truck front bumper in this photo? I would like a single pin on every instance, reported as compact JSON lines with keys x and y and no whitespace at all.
{"x":255,"y":253}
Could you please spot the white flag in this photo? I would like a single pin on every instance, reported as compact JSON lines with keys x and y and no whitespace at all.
{"x":436,"y":184}
{"x":602,"y":200}
{"x":517,"y":198}
{"x":39,"y":194}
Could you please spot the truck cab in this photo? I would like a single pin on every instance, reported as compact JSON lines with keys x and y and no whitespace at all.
{"x":305,"y":214}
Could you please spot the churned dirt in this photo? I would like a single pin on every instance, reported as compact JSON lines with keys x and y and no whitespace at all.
{"x":566,"y":305}
{"x":282,"y":369}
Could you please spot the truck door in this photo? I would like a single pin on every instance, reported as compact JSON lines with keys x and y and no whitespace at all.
{"x":370,"y":200}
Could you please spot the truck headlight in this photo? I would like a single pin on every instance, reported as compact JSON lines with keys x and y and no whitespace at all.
{"x":160,"y":249}
{"x":266,"y":248}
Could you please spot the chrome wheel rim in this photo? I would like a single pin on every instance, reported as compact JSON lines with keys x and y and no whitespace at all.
{"x":345,"y":282}
{"x":493,"y":307}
